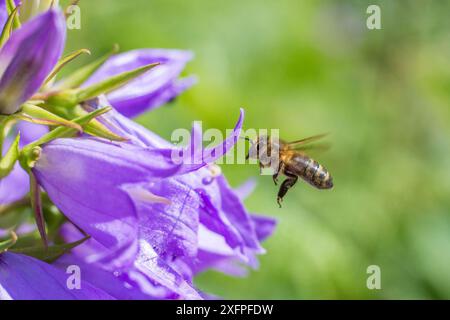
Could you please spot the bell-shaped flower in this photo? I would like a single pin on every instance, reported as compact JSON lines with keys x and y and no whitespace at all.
{"x":99,"y":186}
{"x":200,"y":223}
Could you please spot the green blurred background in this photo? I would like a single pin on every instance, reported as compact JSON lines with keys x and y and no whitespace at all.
{"x":308,"y":67}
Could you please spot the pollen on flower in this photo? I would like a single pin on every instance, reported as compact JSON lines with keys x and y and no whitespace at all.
{"x":215,"y":171}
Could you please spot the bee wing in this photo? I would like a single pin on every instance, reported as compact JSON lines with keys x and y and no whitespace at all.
{"x":320,"y":147}
{"x":300,"y":143}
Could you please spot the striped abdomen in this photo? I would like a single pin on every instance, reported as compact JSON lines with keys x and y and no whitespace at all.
{"x":311,"y":171}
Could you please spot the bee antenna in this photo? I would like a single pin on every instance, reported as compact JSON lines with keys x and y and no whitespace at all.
{"x":247,"y":139}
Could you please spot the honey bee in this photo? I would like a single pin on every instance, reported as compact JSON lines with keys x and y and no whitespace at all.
{"x":290,"y":159}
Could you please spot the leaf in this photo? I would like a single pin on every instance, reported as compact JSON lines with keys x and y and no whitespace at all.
{"x":38,"y":115}
{"x":51,"y":253}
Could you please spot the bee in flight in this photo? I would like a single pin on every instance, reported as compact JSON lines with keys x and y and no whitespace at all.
{"x":290,"y":159}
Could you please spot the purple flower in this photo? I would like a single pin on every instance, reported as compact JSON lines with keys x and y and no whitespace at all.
{"x":155,"y":88}
{"x":201,"y":224}
{"x":28,"y":57}
{"x":26,"y":278}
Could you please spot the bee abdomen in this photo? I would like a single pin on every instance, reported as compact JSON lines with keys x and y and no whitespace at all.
{"x":317,"y":175}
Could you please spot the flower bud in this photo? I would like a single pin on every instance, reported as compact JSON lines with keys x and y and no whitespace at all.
{"x":28,"y":57}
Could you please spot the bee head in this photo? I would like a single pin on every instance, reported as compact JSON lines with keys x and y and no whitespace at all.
{"x":259,"y":146}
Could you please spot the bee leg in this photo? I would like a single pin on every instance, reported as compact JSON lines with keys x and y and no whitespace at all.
{"x":286,"y":185}
{"x":275,"y":176}
{"x":260,"y":168}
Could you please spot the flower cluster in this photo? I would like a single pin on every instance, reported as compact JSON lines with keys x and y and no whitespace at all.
{"x":104,"y":192}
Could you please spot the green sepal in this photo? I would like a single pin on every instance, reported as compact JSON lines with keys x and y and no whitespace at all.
{"x":31,"y":152}
{"x":94,"y":128}
{"x":80,"y":76}
{"x":7,"y":29}
{"x":9,"y":160}
{"x":62,"y":100}
{"x":112,"y":83}
{"x":64,"y":61}
{"x":11,"y":6}
{"x":97,"y":129}
{"x":70,"y":98}
{"x":5,"y":245}
{"x":51,"y":253}
{"x":65,"y":103}
{"x":34,"y":114}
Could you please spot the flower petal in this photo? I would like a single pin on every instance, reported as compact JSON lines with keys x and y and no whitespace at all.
{"x":246,"y":189}
{"x":237,"y":214}
{"x":150,"y":277}
{"x":264,"y":226}
{"x":171,"y":228}
{"x":150,"y":265}
{"x":215,"y":253}
{"x":26,"y":278}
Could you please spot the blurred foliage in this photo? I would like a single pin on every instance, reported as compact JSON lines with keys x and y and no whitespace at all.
{"x":308,"y":67}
